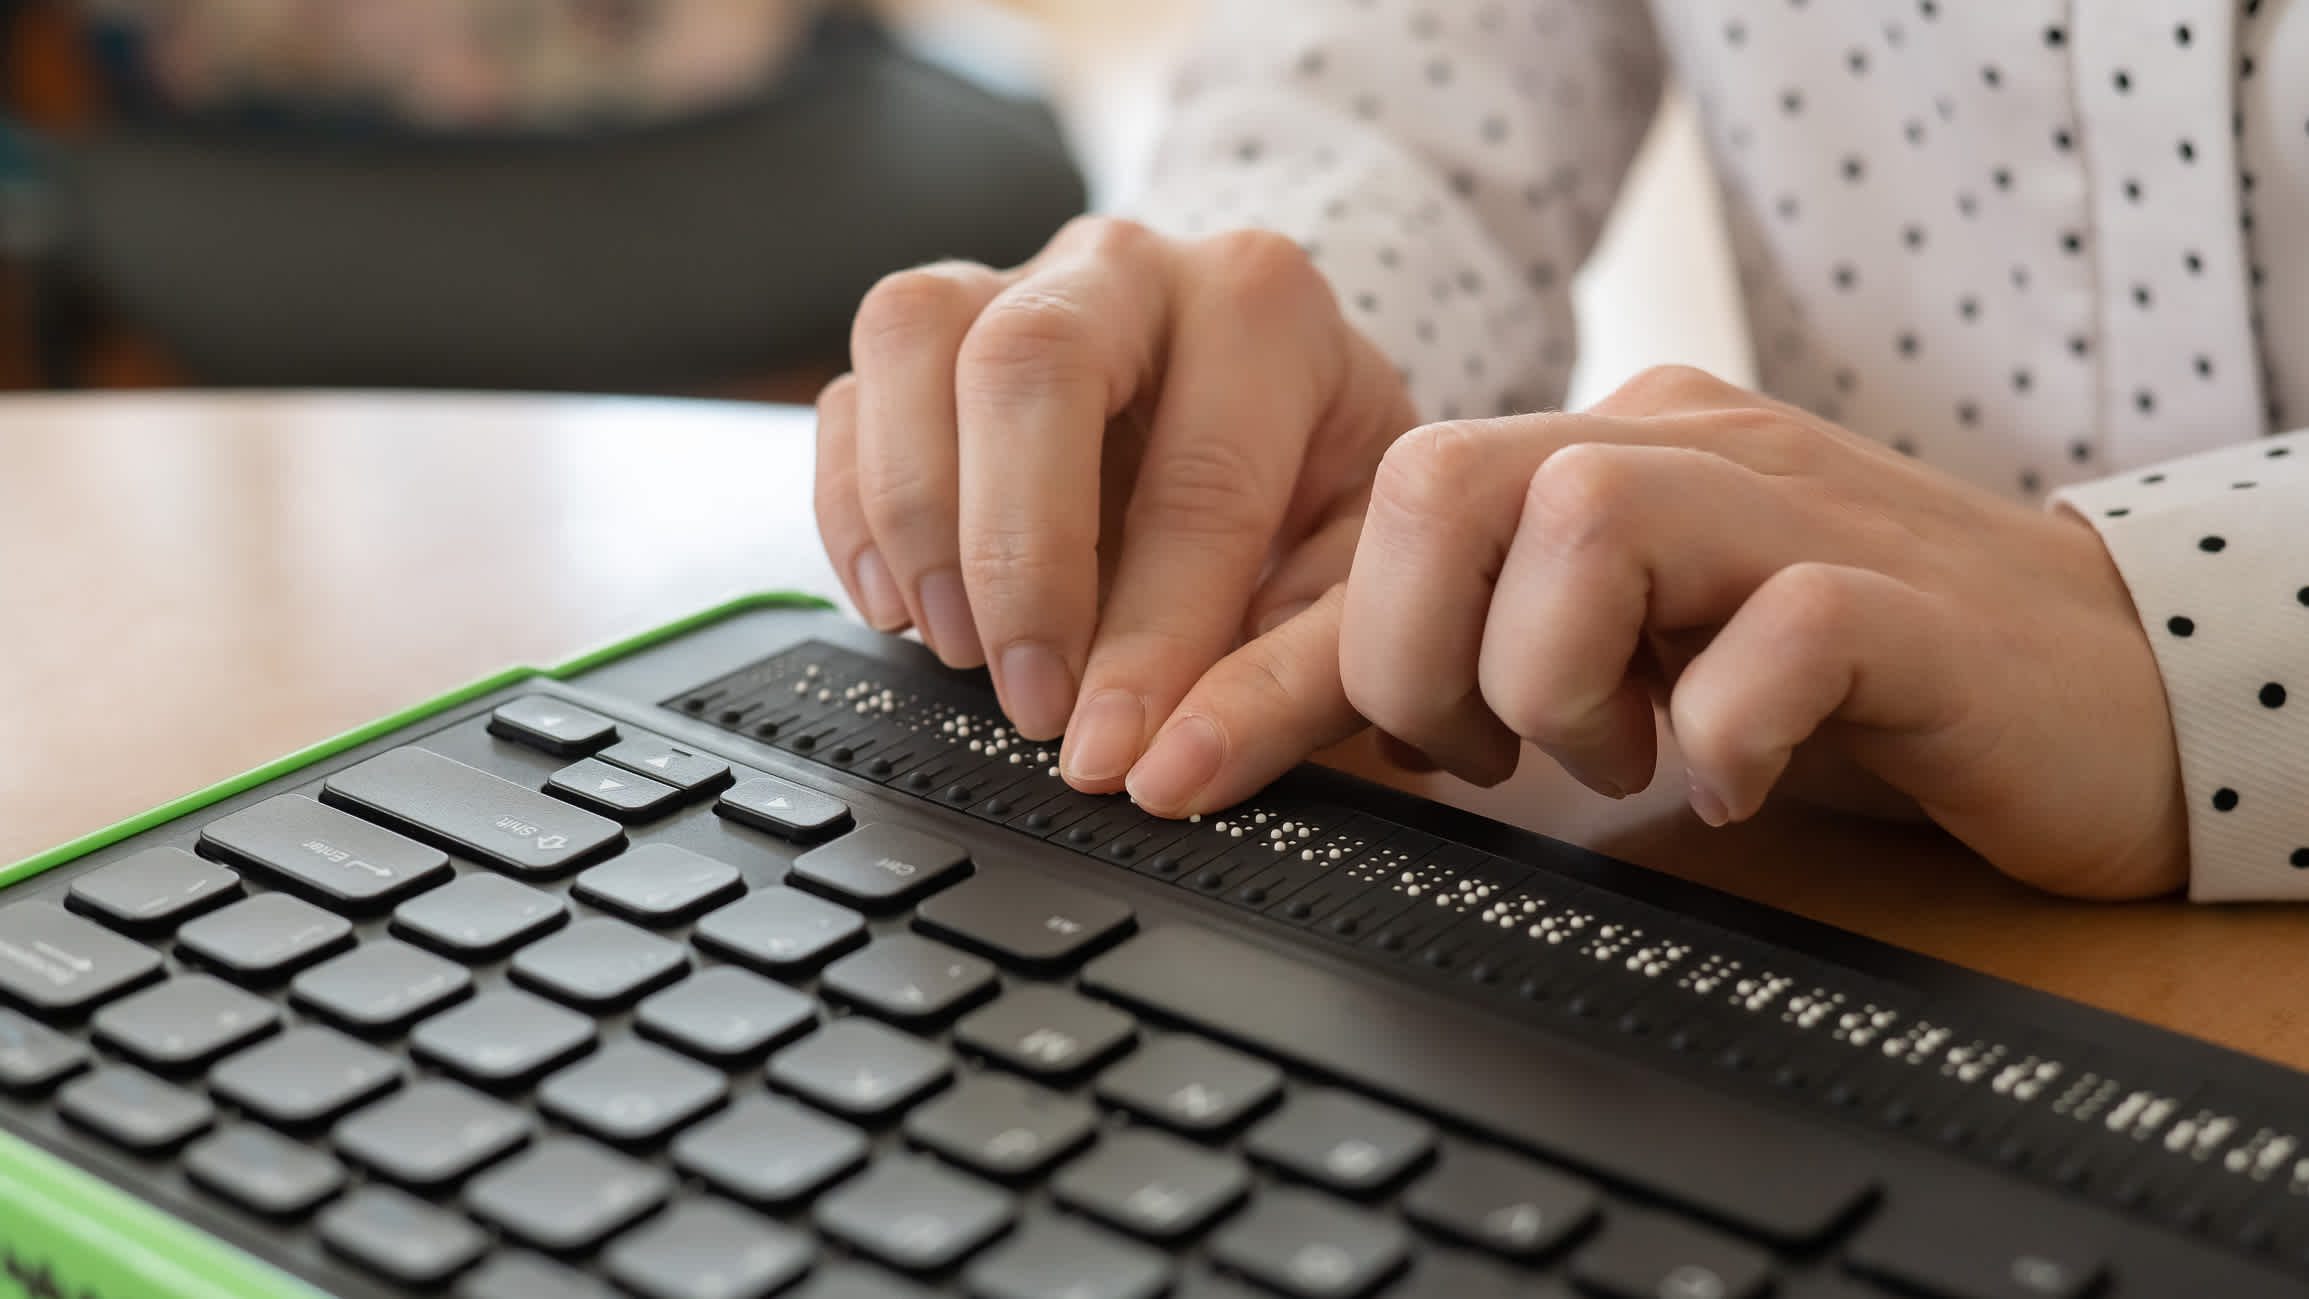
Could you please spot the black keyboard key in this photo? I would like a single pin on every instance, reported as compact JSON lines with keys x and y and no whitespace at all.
{"x":518,"y":1275}
{"x":381,"y":987}
{"x":263,"y":1171}
{"x":859,"y":1069}
{"x":1309,"y":1246}
{"x":632,"y":1093}
{"x":1976,"y":1252}
{"x":565,"y":1194}
{"x":479,"y":917}
{"x":780,"y":929}
{"x":1036,"y":924}
{"x":470,"y":810}
{"x":1046,"y":1032}
{"x":1055,"y":1259}
{"x":914,"y":1214}
{"x":783,"y":808}
{"x":1191,"y":1085}
{"x":333,"y":857}
{"x":850,"y":1281}
{"x":265,"y":937}
{"x":703,"y":1249}
{"x":134,"y":1109}
{"x":599,"y":963}
{"x":685,"y":769}
{"x":1340,"y":1141}
{"x":1002,"y":1127}
{"x":395,"y":1233}
{"x":659,"y":884}
{"x":1438,"y":1275}
{"x":305,"y":1076}
{"x":726,"y":1015}
{"x":1643,"y":1256}
{"x":561,"y":729}
{"x":881,"y":866}
{"x":769,"y":1150}
{"x":1501,"y":1203}
{"x":33,"y":1056}
{"x":54,"y":963}
{"x":155,"y":890}
{"x":184,"y":1023}
{"x":502,"y":1038}
{"x":1768,"y":1172}
{"x":909,"y":979}
{"x":612,"y":791}
{"x":433,"y":1134}
{"x":1152,"y":1185}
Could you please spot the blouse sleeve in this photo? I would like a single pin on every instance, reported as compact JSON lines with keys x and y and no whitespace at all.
{"x":1448,"y":166}
{"x":2215,"y":549}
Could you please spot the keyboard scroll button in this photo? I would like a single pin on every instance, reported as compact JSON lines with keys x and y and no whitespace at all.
{"x":612,"y":791}
{"x":561,"y":729}
{"x":783,"y":808}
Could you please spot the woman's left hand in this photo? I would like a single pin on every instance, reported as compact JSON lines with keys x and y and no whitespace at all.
{"x":1804,"y":605}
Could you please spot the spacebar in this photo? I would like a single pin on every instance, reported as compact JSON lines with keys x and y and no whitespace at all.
{"x":1739,"y":1163}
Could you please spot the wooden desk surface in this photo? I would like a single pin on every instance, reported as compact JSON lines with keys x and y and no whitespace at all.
{"x":193,"y":585}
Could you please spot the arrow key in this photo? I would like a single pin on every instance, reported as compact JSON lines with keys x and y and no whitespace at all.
{"x":687,"y":770}
{"x":561,"y":729}
{"x":783,"y":808}
{"x":612,"y":791}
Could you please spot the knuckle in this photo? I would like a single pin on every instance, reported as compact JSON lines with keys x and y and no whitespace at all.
{"x":900,"y":499}
{"x":1661,"y":387}
{"x":1112,"y":239}
{"x":1027,"y":340}
{"x":1527,"y":707}
{"x":1263,"y":267}
{"x":1582,"y":495}
{"x":1814,"y":604}
{"x":904,"y":305}
{"x":1428,"y":472}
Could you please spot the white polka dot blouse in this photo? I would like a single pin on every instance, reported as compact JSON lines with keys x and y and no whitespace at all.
{"x":2058,"y":247}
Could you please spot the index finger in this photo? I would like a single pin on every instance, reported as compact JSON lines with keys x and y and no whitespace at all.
{"x":1049,"y":363}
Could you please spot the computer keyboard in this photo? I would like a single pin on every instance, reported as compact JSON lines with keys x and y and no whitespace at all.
{"x":768,"y":961}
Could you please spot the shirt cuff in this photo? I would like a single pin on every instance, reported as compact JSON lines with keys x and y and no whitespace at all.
{"x":2215,"y":550}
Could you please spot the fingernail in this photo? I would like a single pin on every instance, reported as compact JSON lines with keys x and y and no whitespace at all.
{"x":946,"y":611}
{"x":1184,"y":758}
{"x":878,"y":591}
{"x":1277,"y":617}
{"x":1038,"y":689}
{"x":1104,"y":736}
{"x":1705,"y":802}
{"x":1593,"y":779}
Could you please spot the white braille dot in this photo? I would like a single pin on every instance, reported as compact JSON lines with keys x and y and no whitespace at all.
{"x":810,"y":671}
{"x":1414,"y":890}
{"x":1194,"y":818}
{"x":1306,"y":854}
{"x":1408,"y":877}
{"x":1053,"y":771}
{"x":1016,"y":756}
{"x":1260,"y":818}
{"x":825,"y":696}
{"x":1274,"y":834}
{"x":974,"y":746}
{"x":1334,"y":854}
{"x":948,"y":728}
{"x":1237,"y":832}
{"x":801,"y":687}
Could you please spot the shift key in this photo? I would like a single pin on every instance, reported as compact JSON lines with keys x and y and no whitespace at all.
{"x":467,"y":809}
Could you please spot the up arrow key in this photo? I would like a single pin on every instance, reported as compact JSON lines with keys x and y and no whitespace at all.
{"x":783,"y":808}
{"x":607,"y":784}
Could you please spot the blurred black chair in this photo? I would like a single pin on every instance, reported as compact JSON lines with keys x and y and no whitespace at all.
{"x":643,"y":258}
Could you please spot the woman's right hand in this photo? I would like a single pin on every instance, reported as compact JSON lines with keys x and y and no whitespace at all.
{"x":1102,"y":472}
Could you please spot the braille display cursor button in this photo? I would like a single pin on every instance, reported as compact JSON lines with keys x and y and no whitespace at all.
{"x":881,"y":865}
{"x":783,"y":808}
{"x":469,"y":809}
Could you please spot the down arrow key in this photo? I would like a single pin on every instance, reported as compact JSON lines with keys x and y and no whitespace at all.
{"x":783,"y":808}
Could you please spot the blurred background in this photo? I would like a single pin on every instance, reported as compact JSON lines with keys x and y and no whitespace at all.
{"x":643,"y":196}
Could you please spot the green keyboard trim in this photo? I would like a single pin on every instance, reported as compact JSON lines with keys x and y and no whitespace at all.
{"x":66,"y":1232}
